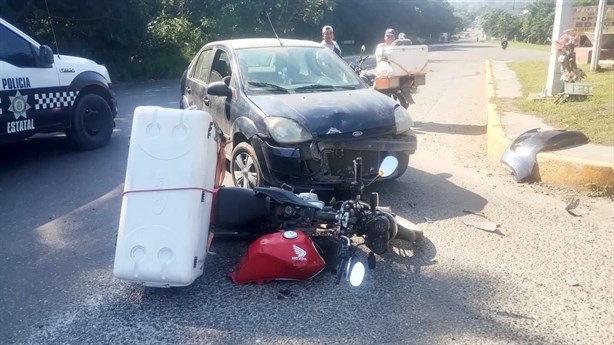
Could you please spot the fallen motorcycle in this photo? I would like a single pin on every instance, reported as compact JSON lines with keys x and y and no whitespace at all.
{"x":300,"y":232}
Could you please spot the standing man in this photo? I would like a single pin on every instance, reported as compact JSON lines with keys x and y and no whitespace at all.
{"x":402,"y":40}
{"x":389,"y":37}
{"x":328,"y":39}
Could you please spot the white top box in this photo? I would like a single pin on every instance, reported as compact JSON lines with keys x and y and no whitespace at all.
{"x":398,"y":61}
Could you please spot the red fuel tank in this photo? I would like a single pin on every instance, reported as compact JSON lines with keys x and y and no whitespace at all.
{"x":288,"y":255}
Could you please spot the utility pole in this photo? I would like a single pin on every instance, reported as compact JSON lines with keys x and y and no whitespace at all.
{"x":598,"y":36}
{"x":562,"y":21}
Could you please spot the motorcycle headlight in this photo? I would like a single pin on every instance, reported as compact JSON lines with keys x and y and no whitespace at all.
{"x":402,"y":120}
{"x":286,"y":131}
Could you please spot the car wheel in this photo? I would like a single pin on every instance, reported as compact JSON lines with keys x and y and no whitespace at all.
{"x":92,"y":123}
{"x":244,"y":167}
{"x":403,"y":158}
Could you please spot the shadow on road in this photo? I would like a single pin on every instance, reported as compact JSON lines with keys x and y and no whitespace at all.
{"x":449,"y":128}
{"x":445,"y":199}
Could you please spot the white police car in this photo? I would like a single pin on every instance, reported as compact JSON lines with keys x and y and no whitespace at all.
{"x":43,"y":93}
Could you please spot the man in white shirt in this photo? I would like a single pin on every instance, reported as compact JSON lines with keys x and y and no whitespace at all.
{"x":328,"y":39}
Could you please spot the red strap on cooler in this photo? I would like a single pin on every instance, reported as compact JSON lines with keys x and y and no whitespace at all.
{"x":165,"y":190}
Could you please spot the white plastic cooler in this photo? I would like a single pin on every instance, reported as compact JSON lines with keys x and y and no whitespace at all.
{"x":398,"y":61}
{"x":164,"y":222}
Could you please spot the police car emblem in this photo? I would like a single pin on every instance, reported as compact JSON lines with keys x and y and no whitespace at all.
{"x":19,"y":105}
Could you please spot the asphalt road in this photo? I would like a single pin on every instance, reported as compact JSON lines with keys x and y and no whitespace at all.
{"x":543,"y":277}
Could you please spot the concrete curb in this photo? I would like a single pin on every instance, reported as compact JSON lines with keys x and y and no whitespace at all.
{"x":551,"y":168}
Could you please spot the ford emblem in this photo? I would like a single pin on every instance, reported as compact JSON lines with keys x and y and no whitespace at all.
{"x":357,"y":134}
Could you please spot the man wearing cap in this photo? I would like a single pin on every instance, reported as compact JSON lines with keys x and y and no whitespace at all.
{"x":389,"y":37}
{"x":402,"y":40}
{"x":328,"y":39}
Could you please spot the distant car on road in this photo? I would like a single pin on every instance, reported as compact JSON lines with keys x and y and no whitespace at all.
{"x":444,"y":37}
{"x":43,"y":93}
{"x":295,"y":113}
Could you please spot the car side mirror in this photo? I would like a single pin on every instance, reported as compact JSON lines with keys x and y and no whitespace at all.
{"x":219,"y":88}
{"x":46,"y":56}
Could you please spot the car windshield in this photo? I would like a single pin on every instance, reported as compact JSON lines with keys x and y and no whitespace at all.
{"x":294,"y":70}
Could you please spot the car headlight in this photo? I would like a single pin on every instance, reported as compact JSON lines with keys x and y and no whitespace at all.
{"x":286,"y":131}
{"x":402,"y":120}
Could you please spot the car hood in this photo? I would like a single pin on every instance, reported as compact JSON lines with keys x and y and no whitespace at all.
{"x":69,"y":65}
{"x":68,"y":59}
{"x":333,"y":112}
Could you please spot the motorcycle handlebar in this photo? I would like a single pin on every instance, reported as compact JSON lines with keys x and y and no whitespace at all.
{"x":327,"y":216}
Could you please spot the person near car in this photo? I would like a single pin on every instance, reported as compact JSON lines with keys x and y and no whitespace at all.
{"x":328,"y":39}
{"x":389,"y":38}
{"x":402,"y":40}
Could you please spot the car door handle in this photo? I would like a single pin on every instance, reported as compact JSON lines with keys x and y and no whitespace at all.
{"x":206,"y":100}
{"x":188,"y":90}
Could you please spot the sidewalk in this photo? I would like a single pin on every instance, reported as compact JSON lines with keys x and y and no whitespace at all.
{"x":584,"y":167}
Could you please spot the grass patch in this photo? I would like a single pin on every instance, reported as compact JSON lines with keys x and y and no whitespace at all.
{"x":593,"y":117}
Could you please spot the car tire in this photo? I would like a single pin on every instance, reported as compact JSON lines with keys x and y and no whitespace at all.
{"x":403,"y":158}
{"x":244,"y":167}
{"x":92,"y":122}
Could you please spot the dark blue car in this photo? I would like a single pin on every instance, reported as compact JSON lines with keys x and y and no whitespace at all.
{"x":295,"y":113}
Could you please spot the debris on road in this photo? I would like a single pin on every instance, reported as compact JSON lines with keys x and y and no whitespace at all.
{"x":572,"y":282}
{"x":521,"y":153}
{"x":572,"y":203}
{"x":484,"y":224}
{"x":479,"y":213}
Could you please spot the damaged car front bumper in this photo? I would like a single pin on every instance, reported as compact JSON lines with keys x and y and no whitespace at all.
{"x":322,"y":164}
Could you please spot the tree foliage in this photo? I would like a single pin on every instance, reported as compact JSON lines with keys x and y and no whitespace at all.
{"x":537,"y":26}
{"x":499,"y":23}
{"x":140,"y":39}
{"x":533,"y":26}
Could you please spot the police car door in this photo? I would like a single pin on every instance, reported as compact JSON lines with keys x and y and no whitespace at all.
{"x":24,"y":85}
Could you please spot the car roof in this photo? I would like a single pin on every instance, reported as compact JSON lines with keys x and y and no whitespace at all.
{"x":266,"y":42}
